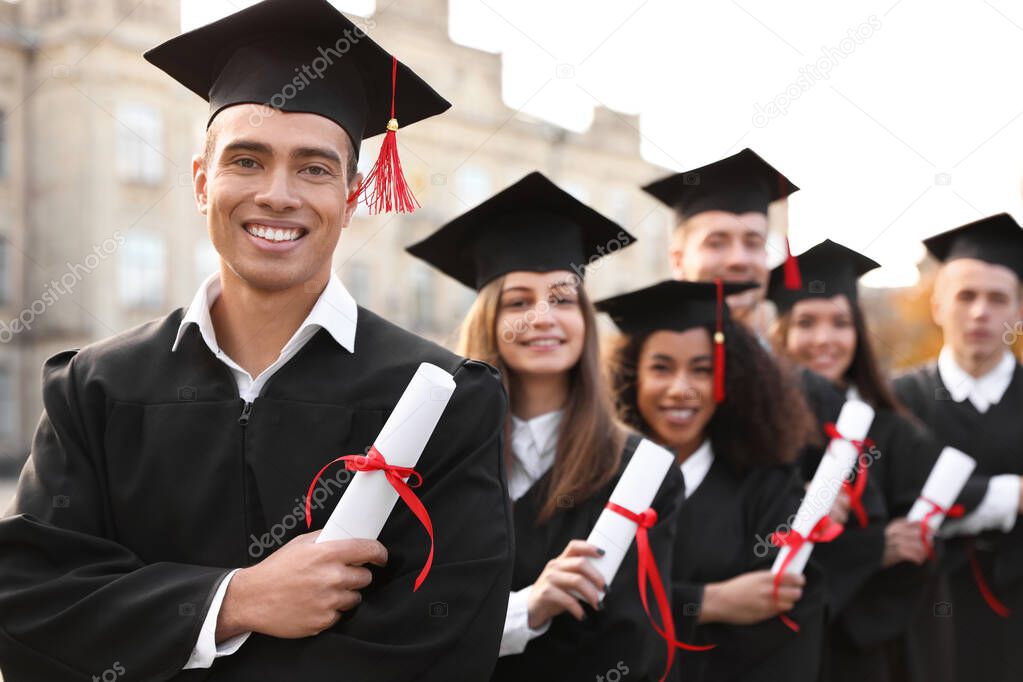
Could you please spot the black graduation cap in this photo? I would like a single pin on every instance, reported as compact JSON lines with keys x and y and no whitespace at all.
{"x":305,"y":56}
{"x":997,"y":239}
{"x":678,"y":305}
{"x":739,"y":183}
{"x":533,"y":225}
{"x":828,"y":269}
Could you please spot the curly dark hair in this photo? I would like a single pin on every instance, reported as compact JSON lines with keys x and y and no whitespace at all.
{"x":764,"y":418}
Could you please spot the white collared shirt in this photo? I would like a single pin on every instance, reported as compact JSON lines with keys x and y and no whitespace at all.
{"x":336,"y":311}
{"x":695,"y":467}
{"x":1000,"y":505}
{"x":983,"y":391}
{"x":534,"y":444}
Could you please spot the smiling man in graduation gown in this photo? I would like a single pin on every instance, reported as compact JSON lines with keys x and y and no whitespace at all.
{"x":157,"y":530}
{"x":972,"y":398}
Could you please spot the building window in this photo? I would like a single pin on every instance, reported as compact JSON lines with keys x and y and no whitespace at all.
{"x":472,"y":186}
{"x":207,"y":261}
{"x":139,"y":140}
{"x":53,"y":9}
{"x":3,"y":144}
{"x":8,"y":402}
{"x":357,"y":278}
{"x":140,"y":276}
{"x":5,"y":271}
{"x":423,"y":300}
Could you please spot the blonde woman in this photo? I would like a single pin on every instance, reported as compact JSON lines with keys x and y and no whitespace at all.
{"x":525,"y":251}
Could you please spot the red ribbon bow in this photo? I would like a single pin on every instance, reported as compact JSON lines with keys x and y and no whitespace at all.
{"x":854,"y":490}
{"x":824,"y":530}
{"x":396,"y":475}
{"x":953,"y":512}
{"x":648,"y":573}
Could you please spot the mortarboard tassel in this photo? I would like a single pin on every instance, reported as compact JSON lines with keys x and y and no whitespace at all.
{"x":385,"y":187}
{"x":793,"y":280}
{"x":719,"y":345}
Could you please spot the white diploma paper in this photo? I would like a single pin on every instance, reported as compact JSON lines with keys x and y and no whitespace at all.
{"x":635,"y":491}
{"x":369,"y":498}
{"x":943,"y":485}
{"x":836,"y":464}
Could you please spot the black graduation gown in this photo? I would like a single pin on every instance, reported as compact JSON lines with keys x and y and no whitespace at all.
{"x":849,"y":560}
{"x":871,"y":627}
{"x":617,"y":638}
{"x":723,"y":531}
{"x":144,"y":487}
{"x":987,"y":647}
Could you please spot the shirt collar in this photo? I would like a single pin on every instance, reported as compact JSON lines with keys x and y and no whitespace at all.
{"x":695,"y":467}
{"x":535,"y":441}
{"x":982,"y":391}
{"x":335,"y":310}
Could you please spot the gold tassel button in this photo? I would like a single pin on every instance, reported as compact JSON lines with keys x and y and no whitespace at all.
{"x":719,"y":337}
{"x":392,"y":124}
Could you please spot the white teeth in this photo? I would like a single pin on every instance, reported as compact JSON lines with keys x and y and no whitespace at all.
{"x":680,"y":414}
{"x":273,"y":234}
{"x":543,"y":342}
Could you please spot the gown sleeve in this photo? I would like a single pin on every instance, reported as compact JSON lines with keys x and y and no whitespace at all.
{"x":74,"y":601}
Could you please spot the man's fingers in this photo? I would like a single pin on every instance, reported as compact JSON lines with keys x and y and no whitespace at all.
{"x":359,"y":552}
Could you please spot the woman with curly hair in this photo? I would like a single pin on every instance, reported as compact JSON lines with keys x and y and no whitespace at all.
{"x":524,"y":250}
{"x":687,"y":376}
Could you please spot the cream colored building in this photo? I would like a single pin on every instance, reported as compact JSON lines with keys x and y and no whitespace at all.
{"x":98,"y":229}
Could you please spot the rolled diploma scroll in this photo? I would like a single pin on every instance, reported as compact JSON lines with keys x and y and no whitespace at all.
{"x":369,"y":498}
{"x":944,"y":483}
{"x":853,"y":423}
{"x":635,"y":491}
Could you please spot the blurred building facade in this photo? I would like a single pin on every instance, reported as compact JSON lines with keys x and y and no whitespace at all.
{"x":98,"y":227}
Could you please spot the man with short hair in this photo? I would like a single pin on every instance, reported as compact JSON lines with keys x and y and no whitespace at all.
{"x":972,"y":399}
{"x":721,"y":225}
{"x":158,"y":526}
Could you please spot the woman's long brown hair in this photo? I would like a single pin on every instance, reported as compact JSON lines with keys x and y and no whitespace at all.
{"x":590,"y":439}
{"x":864,"y":372}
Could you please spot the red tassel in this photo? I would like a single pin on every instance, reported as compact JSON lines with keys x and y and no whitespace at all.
{"x":793,"y":280}
{"x":719,"y":346}
{"x":384,"y":188}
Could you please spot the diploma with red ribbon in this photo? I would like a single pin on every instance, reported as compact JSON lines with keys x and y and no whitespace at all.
{"x":628,"y":516}
{"x":853,"y":423}
{"x":383,"y":473}
{"x":936,"y":503}
{"x":947,"y":479}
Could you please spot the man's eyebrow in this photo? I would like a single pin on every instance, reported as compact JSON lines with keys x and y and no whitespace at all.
{"x":320,"y":152}
{"x":247,"y":146}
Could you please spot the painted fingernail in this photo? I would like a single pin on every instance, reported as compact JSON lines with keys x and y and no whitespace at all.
{"x":601,"y":552}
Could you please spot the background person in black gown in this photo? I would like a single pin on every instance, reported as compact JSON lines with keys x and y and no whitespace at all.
{"x":972,"y":398}
{"x":525,"y":250}
{"x":737,"y":459}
